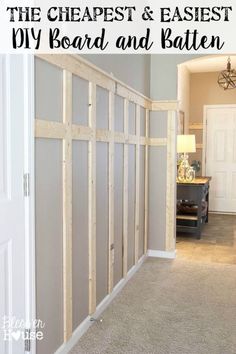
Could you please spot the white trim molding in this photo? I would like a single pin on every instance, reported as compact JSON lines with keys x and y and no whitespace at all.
{"x":29,"y":168}
{"x":162,"y":254}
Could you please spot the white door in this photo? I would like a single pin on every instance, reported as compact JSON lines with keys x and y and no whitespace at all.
{"x":12,"y":215}
{"x":221,"y":157}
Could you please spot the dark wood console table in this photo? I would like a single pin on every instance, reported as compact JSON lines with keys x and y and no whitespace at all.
{"x":196,"y":192}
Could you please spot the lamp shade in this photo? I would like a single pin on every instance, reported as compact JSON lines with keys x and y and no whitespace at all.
{"x":186,"y":143}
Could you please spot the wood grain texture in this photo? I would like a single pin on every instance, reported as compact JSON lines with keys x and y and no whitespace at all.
{"x":49,"y":129}
{"x":111,"y":194}
{"x":67,"y":204}
{"x":165,"y":105}
{"x":137,"y":186}
{"x":125,"y":192}
{"x":92,"y":199}
{"x":146,"y":184}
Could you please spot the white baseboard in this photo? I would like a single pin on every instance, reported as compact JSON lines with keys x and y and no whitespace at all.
{"x":222,"y":213}
{"x":84,"y":326}
{"x":162,"y":254}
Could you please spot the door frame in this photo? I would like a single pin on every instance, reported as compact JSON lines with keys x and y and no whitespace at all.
{"x":204,"y":146}
{"x":30,"y":268}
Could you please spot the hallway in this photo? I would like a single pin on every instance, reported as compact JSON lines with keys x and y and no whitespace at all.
{"x":217,"y":245}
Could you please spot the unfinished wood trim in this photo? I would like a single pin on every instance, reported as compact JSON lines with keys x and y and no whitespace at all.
{"x":125,"y":192}
{"x":171,"y":182}
{"x":146,"y":185}
{"x":104,"y":135}
{"x":199,"y":146}
{"x":67,"y":205}
{"x":143,"y":141}
{"x":137,"y":186}
{"x":130,"y":95}
{"x":133,"y":139}
{"x":81,"y":132}
{"x":157,"y":141}
{"x":49,"y":129}
{"x":165,"y":105}
{"x":111,"y":194}
{"x":92,"y":199}
{"x":119,"y":137}
{"x":55,"y":130}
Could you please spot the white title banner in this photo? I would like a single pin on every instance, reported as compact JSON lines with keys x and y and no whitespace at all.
{"x":101,"y":27}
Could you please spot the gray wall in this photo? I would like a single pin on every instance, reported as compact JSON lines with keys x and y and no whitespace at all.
{"x":132,"y":69}
{"x":154,"y":75}
{"x":102,"y":222}
{"x":164,"y":75}
{"x":157,"y":183}
{"x":49,"y":84}
{"x":131,"y":207}
{"x":80,"y":257}
{"x":142,"y":201}
{"x":118,"y":212}
{"x":48,"y":209}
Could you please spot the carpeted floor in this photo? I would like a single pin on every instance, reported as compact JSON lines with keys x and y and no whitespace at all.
{"x":169,"y":307}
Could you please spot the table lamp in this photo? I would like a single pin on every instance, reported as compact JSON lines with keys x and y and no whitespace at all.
{"x":185,"y":144}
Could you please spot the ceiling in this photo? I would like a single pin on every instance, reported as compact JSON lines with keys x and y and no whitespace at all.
{"x":210,"y":63}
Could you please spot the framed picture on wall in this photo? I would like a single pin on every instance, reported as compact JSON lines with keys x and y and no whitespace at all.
{"x":181,"y":123}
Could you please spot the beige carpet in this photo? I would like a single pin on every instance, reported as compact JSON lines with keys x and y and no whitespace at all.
{"x":169,"y":307}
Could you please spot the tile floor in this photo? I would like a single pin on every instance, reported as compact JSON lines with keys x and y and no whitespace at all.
{"x":217,"y":244}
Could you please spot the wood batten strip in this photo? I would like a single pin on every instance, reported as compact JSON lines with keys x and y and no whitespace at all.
{"x":67,"y":204}
{"x":165,"y":105}
{"x":125,"y":191}
{"x":81,"y":132}
{"x":49,"y":130}
{"x":92,"y":199}
{"x":111,"y":193}
{"x":133,"y":139}
{"x":119,"y":137}
{"x":131,"y":96}
{"x":137,"y":186}
{"x":105,"y":136}
{"x":143,"y":141}
{"x":55,"y":130}
{"x":171,"y":182}
{"x":157,"y":141}
{"x":146,"y":185}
